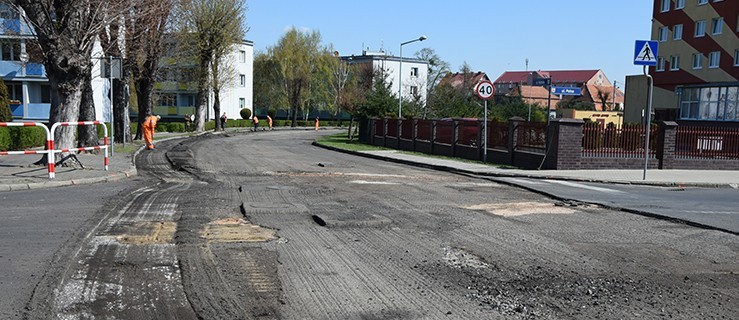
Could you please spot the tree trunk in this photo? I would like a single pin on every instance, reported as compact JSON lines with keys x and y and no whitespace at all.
{"x":121,"y":110}
{"x":65,"y":106}
{"x":217,"y":109}
{"x":201,"y":103}
{"x":87,"y":135}
{"x":351,"y":125}
{"x":144,"y":89}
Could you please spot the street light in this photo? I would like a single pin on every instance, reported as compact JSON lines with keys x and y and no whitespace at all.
{"x":400,"y":75}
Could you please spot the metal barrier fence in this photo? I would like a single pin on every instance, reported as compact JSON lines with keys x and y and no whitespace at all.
{"x":614,"y":142}
{"x":693,"y":142}
{"x":50,"y":151}
{"x":49,"y":143}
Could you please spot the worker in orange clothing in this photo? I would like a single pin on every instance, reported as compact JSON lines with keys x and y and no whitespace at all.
{"x":149,"y":125}
{"x":269,"y":121}
{"x":255,"y":120}
{"x":316,"y":123}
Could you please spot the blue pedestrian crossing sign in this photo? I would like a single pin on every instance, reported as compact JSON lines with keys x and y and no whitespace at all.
{"x":645,"y":53}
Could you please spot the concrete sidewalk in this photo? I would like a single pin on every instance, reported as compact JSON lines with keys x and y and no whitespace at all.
{"x":655,"y":177}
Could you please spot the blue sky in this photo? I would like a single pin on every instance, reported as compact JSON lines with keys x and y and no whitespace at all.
{"x":491,"y":35}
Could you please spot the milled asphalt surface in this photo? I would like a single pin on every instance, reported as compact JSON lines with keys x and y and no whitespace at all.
{"x":18,"y":173}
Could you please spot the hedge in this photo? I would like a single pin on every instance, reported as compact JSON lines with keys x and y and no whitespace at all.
{"x":21,"y":138}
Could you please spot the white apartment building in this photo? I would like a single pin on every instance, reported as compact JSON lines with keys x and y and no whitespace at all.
{"x":414,"y":72}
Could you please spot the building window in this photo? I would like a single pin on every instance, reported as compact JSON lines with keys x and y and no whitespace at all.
{"x":700,"y":28}
{"x":167,"y":100}
{"x":736,"y":58}
{"x":679,"y":4}
{"x":710,"y":103}
{"x":677,"y":32}
{"x":674,"y":63}
{"x":717,"y":25}
{"x":663,"y":34}
{"x":15,"y":90}
{"x":414,"y":72}
{"x":714,"y":59}
{"x":11,"y":51}
{"x":242,"y":56}
{"x":702,"y":2}
{"x":697,"y":61}
{"x":660,"y":64}
{"x":665,"y":6}
{"x":242,"y":103}
{"x":414,"y":90}
{"x":242,"y":80}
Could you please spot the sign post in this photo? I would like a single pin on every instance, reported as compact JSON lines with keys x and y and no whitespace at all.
{"x":645,"y":54}
{"x":485,"y":90}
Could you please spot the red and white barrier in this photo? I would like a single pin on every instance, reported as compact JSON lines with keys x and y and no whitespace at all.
{"x":50,"y":151}
{"x":50,"y":142}
{"x":49,"y":146}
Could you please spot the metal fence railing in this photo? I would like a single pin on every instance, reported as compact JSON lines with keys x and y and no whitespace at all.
{"x":692,"y":142}
{"x":617,"y":142}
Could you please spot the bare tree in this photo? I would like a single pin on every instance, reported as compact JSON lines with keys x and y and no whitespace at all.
{"x":211,"y":27}
{"x":66,"y":31}
{"x":338,"y":81}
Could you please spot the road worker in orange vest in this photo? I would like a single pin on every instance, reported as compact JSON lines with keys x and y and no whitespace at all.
{"x":149,"y":125}
{"x":316,"y":123}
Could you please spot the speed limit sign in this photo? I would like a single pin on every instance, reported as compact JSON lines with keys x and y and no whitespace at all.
{"x":485,"y":90}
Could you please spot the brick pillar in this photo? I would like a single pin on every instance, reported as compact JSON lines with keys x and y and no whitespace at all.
{"x":513,"y":138}
{"x":384,"y":132}
{"x":666,"y":144}
{"x":414,"y":133}
{"x":455,"y":135}
{"x":480,"y":140}
{"x":433,"y":135}
{"x":565,"y":144}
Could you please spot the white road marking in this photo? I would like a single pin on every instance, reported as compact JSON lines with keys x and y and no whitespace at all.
{"x":516,"y":180}
{"x":373,"y":182}
{"x":583,"y":186}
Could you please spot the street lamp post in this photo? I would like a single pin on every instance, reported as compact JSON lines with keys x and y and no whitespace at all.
{"x":400,"y":75}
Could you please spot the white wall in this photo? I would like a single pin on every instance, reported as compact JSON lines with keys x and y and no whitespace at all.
{"x":231,"y":93}
{"x":392,"y":67}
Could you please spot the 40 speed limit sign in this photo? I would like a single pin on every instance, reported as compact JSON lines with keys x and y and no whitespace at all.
{"x":484,"y":89}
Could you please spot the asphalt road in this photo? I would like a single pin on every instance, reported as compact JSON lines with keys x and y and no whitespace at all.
{"x":34,"y":225}
{"x":716,"y":208}
{"x":265,"y":226}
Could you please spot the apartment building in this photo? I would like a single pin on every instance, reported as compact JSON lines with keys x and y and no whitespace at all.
{"x":695,"y":79}
{"x":174,"y":94}
{"x":414,"y":77}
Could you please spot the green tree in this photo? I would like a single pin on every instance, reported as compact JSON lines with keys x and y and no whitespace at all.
{"x":516,"y":107}
{"x":576,"y":104}
{"x":212,"y":27}
{"x":5,"y":114}
{"x":379,"y":100}
{"x":296,"y":58}
{"x":438,"y":68}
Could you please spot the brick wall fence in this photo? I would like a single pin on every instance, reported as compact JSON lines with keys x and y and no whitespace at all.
{"x":464,"y":139}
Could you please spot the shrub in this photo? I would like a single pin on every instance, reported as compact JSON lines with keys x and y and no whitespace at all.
{"x":5,"y":114}
{"x":23,"y":138}
{"x":5,"y":140}
{"x":175,"y":127}
{"x":245,"y":113}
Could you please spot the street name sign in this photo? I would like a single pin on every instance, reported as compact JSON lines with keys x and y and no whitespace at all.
{"x":567,"y":91}
{"x":645,"y":53}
